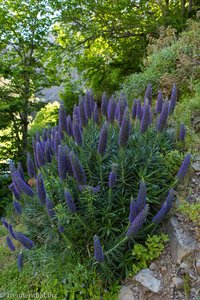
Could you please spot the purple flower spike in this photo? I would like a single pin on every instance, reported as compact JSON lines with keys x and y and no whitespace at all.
{"x":139,"y":108}
{"x":95,"y":114}
{"x":98,"y":252}
{"x":62,"y":118}
{"x":112,"y":179}
{"x":30,"y":166}
{"x":50,"y":208}
{"x":34,"y":153}
{"x":12,"y":167}
{"x":69,"y":126}
{"x":83,"y":116}
{"x":20,"y":170}
{"x":167,"y":205}
{"x":37,"y":137}
{"x":20,"y":261}
{"x":182,"y":132}
{"x":133,"y":211}
{"x":104,"y":104}
{"x":173,"y":100}
{"x":25,"y":188}
{"x":12,"y":233}
{"x":17,"y":207}
{"x":159,"y":103}
{"x":13,"y":189}
{"x":138,"y":222}
{"x":48,"y":152}
{"x":77,"y":168}
{"x":124,"y":129}
{"x":146,"y":118}
{"x":62,"y":163}
{"x":70,"y":202}
{"x":162,"y":121}
{"x":141,"y":198}
{"x":103,"y":139}
{"x":44,"y":134}
{"x":24,"y":240}
{"x":40,"y":188}
{"x":111,"y":110}
{"x":117,"y":111}
{"x":184,"y":167}
{"x":76,"y":113}
{"x":122,"y":108}
{"x":92,"y":100}
{"x":57,"y":141}
{"x":10,"y":244}
{"x":148,"y":93}
{"x":5,"y":223}
{"x":77,"y":132}
{"x":39,"y":154}
{"x":134,"y":109}
{"x":88,"y":107}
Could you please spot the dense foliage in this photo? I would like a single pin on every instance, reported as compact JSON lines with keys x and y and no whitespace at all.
{"x":25,"y":26}
{"x":106,"y":40}
{"x":46,"y":116}
{"x":170,"y":60}
{"x":100,"y":182}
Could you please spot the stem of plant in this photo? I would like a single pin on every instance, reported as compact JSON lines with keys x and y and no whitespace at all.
{"x":117,"y":245}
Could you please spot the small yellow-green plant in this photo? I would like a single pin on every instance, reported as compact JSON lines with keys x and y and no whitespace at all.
{"x":192,"y":211}
{"x":143,"y":255}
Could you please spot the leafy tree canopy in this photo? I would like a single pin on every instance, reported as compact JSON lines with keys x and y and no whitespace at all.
{"x":106,"y":40}
{"x":25,"y":42}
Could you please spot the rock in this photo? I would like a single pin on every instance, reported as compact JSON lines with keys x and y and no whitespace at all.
{"x":148,"y":280}
{"x":196,"y":166}
{"x":183,"y":265}
{"x":178,"y":283}
{"x":181,"y":244}
{"x":164,"y":270}
{"x":126,"y":294}
{"x":153,"y":267}
{"x":198,"y":266}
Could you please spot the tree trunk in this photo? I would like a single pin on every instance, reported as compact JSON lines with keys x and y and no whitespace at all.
{"x":25,"y":114}
{"x":190,"y":7}
{"x":183,"y":8}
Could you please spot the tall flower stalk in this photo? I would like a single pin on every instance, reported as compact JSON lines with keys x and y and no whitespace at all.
{"x":103,"y":139}
{"x":125,"y":129}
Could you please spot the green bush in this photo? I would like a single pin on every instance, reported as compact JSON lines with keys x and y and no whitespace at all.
{"x":70,"y":95}
{"x":46,"y":116}
{"x":5,"y":194}
{"x":170,"y":61}
{"x":98,"y":205}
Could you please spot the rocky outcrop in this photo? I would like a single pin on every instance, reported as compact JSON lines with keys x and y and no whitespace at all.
{"x":181,"y":243}
{"x":147,"y":278}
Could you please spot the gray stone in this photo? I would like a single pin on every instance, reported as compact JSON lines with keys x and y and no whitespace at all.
{"x":196,"y":166}
{"x":183,"y":265}
{"x":153,"y":266}
{"x":126,"y":294}
{"x":148,"y":280}
{"x":178,"y":283}
{"x":181,"y":244}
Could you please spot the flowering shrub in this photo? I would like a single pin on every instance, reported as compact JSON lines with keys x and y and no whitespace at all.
{"x":100,"y":182}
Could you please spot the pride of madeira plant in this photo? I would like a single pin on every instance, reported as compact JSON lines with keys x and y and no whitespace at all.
{"x":100,"y":182}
